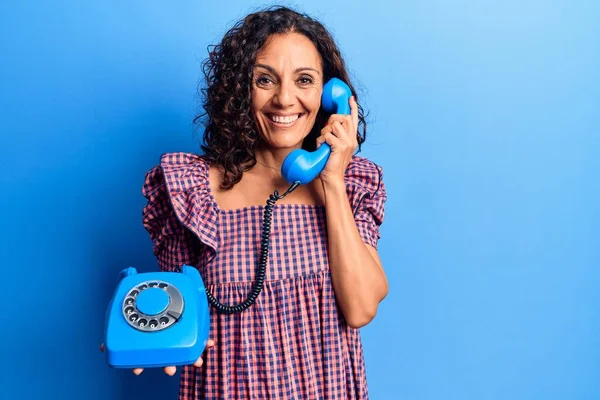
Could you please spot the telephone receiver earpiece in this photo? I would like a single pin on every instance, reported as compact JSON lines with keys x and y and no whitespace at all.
{"x":303,"y":166}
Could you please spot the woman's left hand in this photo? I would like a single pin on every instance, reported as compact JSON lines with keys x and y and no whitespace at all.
{"x":340,"y":134}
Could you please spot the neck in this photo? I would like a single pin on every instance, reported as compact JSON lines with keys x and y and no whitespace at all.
{"x":269,"y":162}
{"x":271,"y":158}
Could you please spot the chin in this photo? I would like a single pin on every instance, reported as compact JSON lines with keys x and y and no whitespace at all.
{"x":284,"y":140}
{"x":282,"y":143}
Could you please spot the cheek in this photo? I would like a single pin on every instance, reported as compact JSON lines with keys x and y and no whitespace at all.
{"x":258,"y":99}
{"x":315,"y":102}
{"x":254,"y":102}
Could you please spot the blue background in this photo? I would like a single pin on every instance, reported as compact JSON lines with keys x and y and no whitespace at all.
{"x":484,"y":115}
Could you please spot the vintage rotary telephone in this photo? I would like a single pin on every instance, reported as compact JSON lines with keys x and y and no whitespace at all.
{"x":159,"y":319}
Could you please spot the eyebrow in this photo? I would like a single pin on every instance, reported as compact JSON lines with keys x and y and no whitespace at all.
{"x":272,"y":70}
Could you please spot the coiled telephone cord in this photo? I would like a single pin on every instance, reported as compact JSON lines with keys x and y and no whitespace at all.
{"x":262,"y":265}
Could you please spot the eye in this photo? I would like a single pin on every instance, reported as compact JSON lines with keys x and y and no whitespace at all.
{"x":305,"y":80}
{"x":263,"y":80}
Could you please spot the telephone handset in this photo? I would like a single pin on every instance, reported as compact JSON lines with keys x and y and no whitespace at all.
{"x":303,"y":166}
{"x":156,"y":319}
{"x":299,"y":168}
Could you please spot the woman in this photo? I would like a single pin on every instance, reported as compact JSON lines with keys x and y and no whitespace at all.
{"x":324,"y":279}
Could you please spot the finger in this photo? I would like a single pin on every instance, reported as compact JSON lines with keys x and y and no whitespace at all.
{"x":354,"y":112}
{"x":331,"y":140}
{"x":339,"y":131}
{"x":102,"y":347}
{"x":320,"y":141}
{"x":336,"y":128}
{"x":349,"y":130}
{"x":209,"y":343}
{"x":345,"y":137}
{"x":138,"y":371}
{"x":325,"y":132}
{"x":321,"y":138}
{"x":170,"y":370}
{"x":342,"y":118}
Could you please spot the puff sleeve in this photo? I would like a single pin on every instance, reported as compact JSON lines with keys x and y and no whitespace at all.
{"x":173,"y":244}
{"x":367,"y":194}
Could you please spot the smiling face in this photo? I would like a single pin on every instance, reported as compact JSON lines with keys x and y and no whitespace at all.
{"x":286,"y":90}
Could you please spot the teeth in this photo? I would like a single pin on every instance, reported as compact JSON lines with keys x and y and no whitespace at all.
{"x":284,"y":120}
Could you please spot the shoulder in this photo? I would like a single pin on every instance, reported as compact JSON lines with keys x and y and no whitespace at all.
{"x":364,"y":185}
{"x":176,"y":172}
{"x":364,"y":174}
{"x":178,"y":187}
{"x":180,"y":165}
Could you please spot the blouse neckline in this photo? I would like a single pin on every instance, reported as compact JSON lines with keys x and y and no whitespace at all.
{"x":253,"y":207}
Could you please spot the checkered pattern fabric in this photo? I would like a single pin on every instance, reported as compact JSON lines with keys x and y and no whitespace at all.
{"x":293,"y":343}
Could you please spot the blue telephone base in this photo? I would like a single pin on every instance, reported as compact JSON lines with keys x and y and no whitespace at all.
{"x":157,"y":319}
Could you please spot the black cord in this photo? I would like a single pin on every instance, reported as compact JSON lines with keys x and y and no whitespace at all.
{"x":262,"y":265}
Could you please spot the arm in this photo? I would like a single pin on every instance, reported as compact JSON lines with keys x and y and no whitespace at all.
{"x":357,"y":275}
{"x":359,"y":281}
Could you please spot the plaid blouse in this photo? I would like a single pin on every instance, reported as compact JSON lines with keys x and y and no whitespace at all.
{"x":293,"y":342}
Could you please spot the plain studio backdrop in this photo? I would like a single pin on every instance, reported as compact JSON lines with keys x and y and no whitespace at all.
{"x":484,"y":115}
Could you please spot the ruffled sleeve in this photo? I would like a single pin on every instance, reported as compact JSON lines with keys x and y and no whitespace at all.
{"x":178,"y":213}
{"x":367,"y":194}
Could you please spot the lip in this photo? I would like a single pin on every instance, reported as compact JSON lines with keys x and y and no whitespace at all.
{"x":284,"y":126}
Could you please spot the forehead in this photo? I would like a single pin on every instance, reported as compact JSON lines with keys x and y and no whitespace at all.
{"x":289,"y":50}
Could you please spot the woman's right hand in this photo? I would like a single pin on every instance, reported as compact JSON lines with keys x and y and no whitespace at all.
{"x":171,"y":370}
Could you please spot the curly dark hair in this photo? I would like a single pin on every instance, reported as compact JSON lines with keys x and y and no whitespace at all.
{"x":230,"y":131}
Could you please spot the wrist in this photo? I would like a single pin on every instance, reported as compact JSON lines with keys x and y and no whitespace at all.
{"x":333,"y":184}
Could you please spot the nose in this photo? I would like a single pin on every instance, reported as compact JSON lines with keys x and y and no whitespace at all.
{"x":285,"y":95}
